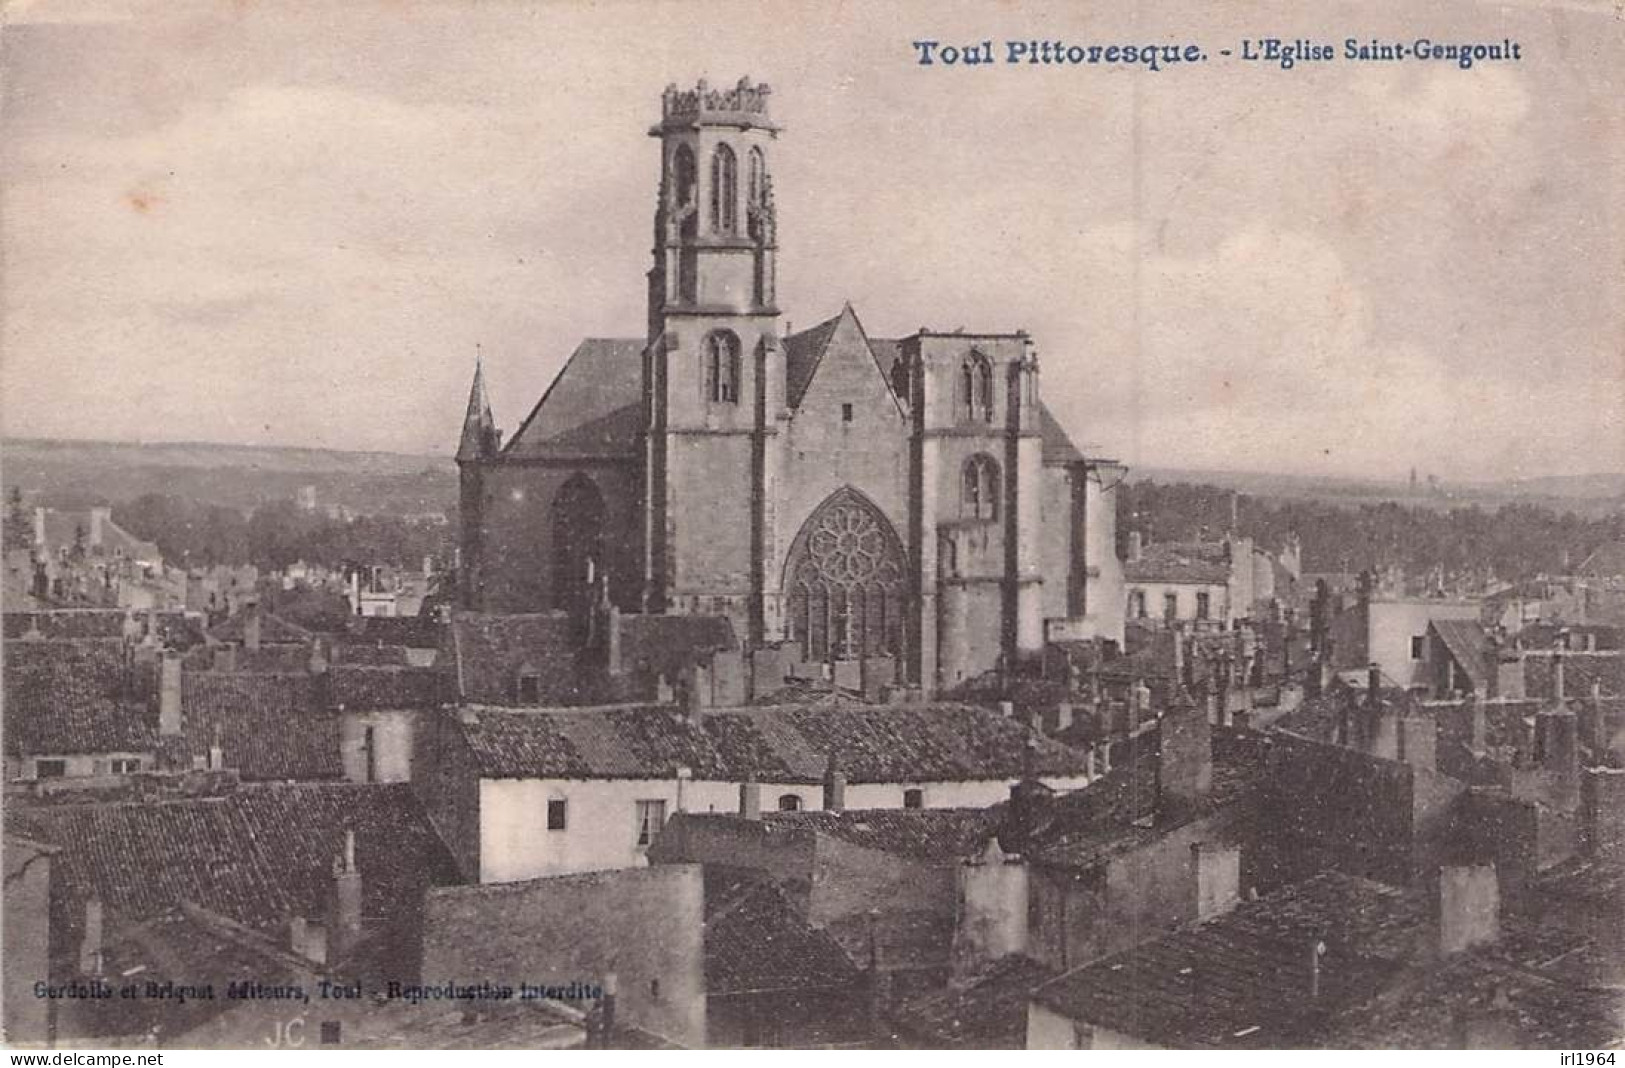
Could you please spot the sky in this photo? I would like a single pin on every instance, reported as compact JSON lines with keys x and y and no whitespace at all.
{"x":292,"y":223}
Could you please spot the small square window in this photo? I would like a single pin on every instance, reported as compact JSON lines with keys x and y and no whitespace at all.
{"x":556,"y":811}
{"x":1170,"y":606}
{"x":1418,"y":646}
{"x":846,"y":413}
{"x":789,"y":802}
{"x":331,"y":1030}
{"x":914,"y":798}
{"x":530,"y":689}
{"x":50,"y":769}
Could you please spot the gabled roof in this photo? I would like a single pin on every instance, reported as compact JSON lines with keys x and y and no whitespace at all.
{"x":1058,"y":447}
{"x":268,"y":726}
{"x":873,"y":743}
{"x":757,"y":942}
{"x":1241,"y":980}
{"x":257,"y":856}
{"x":804,"y":353}
{"x":75,"y":697}
{"x":593,"y":408}
{"x":412,"y":632}
{"x":1467,"y":642}
{"x":1171,"y":562}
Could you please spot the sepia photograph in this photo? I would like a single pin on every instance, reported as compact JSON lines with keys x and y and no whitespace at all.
{"x":698,"y":524}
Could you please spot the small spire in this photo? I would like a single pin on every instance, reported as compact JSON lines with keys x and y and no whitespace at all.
{"x":479,"y":428}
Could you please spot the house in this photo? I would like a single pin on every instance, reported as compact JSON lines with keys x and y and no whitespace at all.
{"x":520,"y":793}
{"x":694,"y":960}
{"x":1340,"y":962}
{"x":265,"y":726}
{"x":378,"y":710}
{"x":76,"y":710}
{"x":1191,"y":583}
{"x":331,"y":873}
{"x":1391,"y":631}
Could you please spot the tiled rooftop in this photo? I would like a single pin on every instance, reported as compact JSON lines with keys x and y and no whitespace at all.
{"x":873,"y":743}
{"x":74,"y":697}
{"x":257,"y":856}
{"x":989,"y":1011}
{"x":268,"y":726}
{"x":757,"y":942}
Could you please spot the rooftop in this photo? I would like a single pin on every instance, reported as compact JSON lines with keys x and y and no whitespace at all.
{"x":786,"y":743}
{"x":74,"y":697}
{"x":1195,"y":562}
{"x":757,"y":942}
{"x":268,"y":726}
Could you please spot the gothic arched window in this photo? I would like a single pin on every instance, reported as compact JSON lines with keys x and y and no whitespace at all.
{"x":724,"y":190}
{"x":976,"y":388}
{"x":683,"y":175}
{"x":578,"y":515}
{"x":756,"y":188}
{"x":979,"y":495}
{"x":721,"y":358}
{"x":843,"y":583}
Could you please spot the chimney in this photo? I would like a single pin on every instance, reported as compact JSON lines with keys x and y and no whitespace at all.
{"x":1007,"y":709}
{"x":834,"y":785}
{"x":90,"y":943}
{"x":169,"y":696}
{"x":1134,"y":546}
{"x":1557,"y":740}
{"x":1509,"y":681}
{"x":251,"y":628}
{"x":1063,"y":716}
{"x":1469,"y":907}
{"x":1480,"y":725}
{"x":1558,"y":696}
{"x":1373,"y":686}
{"x":39,"y":526}
{"x":612,"y":640}
{"x":345,"y":928}
{"x":318,"y":656}
{"x":1602,"y":807}
{"x":611,"y":989}
{"x":750,"y":798}
{"x":1216,"y":873}
{"x":1185,"y":755}
{"x":225,"y":658}
{"x":1418,"y":741}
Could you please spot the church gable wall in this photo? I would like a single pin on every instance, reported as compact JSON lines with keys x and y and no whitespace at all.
{"x":823,"y":452}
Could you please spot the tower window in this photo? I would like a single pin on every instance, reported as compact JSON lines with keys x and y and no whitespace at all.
{"x":722,"y":368}
{"x":724,"y":190}
{"x":757,"y":187}
{"x":846,"y":413}
{"x":979,"y":495}
{"x":683,"y":173}
{"x":976,"y":389}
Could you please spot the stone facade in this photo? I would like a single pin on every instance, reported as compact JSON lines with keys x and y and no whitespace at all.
{"x":906,"y":501}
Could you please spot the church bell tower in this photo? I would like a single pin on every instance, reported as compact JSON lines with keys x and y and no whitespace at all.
{"x":713,"y":372}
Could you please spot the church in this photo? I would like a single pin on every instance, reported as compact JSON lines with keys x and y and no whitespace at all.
{"x":907,"y":506}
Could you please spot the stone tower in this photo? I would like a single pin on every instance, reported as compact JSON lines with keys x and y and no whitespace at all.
{"x":713,"y":371}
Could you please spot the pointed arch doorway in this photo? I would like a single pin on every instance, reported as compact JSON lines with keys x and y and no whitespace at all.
{"x":844,"y":582}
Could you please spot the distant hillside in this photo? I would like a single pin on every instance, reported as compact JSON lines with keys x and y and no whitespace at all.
{"x":78,"y":473}
{"x":1591,"y":495}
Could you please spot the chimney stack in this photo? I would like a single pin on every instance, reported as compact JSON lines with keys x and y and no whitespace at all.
{"x":1373,"y":686}
{"x":346,"y":925}
{"x":99,"y":519}
{"x":1469,"y":907}
{"x":1480,"y":724}
{"x":169,"y":696}
{"x":834,"y":785}
{"x":1216,"y":871}
{"x":1558,"y":696}
{"x":1557,"y":736}
{"x":251,"y":628}
{"x":750,"y":798}
{"x":1063,"y":716}
{"x":1134,"y":546}
{"x":90,"y":944}
{"x":1184,"y":754}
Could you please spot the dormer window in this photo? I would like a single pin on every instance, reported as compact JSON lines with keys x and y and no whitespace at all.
{"x":721,"y":359}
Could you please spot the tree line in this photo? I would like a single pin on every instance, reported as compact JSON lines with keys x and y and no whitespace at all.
{"x":1516,"y":541}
